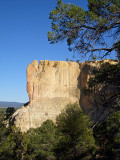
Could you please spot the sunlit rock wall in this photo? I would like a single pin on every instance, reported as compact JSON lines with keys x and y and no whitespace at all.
{"x":51,"y":85}
{"x":52,"y":79}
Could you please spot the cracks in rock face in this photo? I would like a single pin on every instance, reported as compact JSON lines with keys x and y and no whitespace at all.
{"x":35,"y":74}
{"x":43,"y":66}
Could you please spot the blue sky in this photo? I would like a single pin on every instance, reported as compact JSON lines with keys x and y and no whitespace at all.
{"x":23,"y":38}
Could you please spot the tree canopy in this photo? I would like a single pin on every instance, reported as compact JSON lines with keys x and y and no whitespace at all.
{"x":13,"y":143}
{"x":9,"y":112}
{"x":70,"y":138}
{"x":107,"y":135}
{"x":77,"y":141}
{"x":42,"y":141}
{"x":95,"y":32}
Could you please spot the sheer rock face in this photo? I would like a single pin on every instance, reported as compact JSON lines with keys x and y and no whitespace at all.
{"x":52,"y":79}
{"x":51,"y":85}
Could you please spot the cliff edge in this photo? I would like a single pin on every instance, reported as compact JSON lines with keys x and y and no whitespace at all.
{"x":51,"y":85}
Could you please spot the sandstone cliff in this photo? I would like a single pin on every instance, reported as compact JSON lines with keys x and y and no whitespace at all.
{"x":50,"y":86}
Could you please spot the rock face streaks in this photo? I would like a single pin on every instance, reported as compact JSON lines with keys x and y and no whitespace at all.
{"x":52,"y":79}
{"x":51,"y":85}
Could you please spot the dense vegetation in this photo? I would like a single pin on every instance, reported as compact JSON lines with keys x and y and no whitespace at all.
{"x":71,"y":137}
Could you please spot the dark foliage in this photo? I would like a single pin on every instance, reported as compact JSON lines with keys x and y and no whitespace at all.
{"x":107,"y":135}
{"x":88,"y":32}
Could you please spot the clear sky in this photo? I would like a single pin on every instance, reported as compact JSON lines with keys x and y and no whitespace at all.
{"x":23,"y":38}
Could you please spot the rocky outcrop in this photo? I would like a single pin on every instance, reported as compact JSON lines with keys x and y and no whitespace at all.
{"x":51,"y":85}
{"x":52,"y":79}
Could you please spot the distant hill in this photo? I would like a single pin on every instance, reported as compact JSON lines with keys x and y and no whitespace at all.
{"x":10,"y":104}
